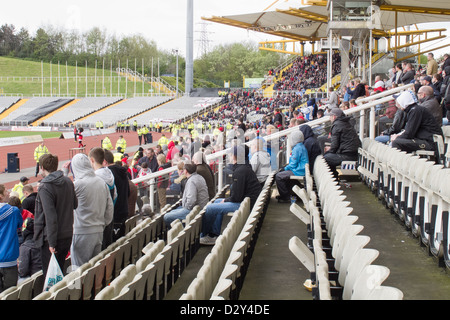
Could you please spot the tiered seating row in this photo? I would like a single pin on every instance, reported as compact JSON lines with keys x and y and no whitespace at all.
{"x":32,"y":287}
{"x":223,"y":271}
{"x":153,"y":274}
{"x":413,"y":188}
{"x":6,"y":102}
{"x":336,"y":253}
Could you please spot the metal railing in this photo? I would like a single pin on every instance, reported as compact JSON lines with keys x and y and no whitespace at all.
{"x":367,"y":104}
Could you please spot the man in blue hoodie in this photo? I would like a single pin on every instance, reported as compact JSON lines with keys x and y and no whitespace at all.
{"x":295,"y":167}
{"x":10,"y":221}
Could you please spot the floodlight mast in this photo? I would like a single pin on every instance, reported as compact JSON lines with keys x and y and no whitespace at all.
{"x":189,"y":81}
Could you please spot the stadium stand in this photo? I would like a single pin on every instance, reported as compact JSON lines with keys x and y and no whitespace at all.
{"x":124,"y":110}
{"x":33,"y":109}
{"x":80,"y":109}
{"x":176,"y":110}
{"x":6,"y":102}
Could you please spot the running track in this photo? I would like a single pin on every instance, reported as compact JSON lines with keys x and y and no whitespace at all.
{"x":61,"y":147}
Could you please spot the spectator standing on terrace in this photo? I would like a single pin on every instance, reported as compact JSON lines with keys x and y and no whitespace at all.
{"x":123,"y":193}
{"x":94,"y":212}
{"x":344,"y":141}
{"x":432,"y":66}
{"x":195,"y":193}
{"x":420,"y":126}
{"x":29,"y":261}
{"x":333,"y":100}
{"x":38,"y":152}
{"x":55,"y":203}
{"x":29,"y":202}
{"x":10,"y":222}
{"x":97,"y":159}
{"x":296,"y":166}
{"x":163,"y":181}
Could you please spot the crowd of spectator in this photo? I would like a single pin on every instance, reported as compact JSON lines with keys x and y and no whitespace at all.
{"x":31,"y":233}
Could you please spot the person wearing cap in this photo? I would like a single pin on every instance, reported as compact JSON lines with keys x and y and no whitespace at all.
{"x":344,"y":141}
{"x":420,"y":125}
{"x":296,"y":166}
{"x":19,"y":187}
{"x":245,"y":184}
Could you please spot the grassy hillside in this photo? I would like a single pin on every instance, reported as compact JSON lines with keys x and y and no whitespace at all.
{"x":24,"y":77}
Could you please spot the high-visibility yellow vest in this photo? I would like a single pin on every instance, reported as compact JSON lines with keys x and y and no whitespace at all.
{"x":121,"y":143}
{"x":40,"y":151}
{"x":19,"y":189}
{"x":106,"y":144}
{"x":163,"y":140}
{"x":118,"y":156}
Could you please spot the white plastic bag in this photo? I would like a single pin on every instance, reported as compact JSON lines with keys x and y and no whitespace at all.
{"x":54,"y":273}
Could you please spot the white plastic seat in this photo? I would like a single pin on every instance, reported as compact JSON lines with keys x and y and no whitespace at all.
{"x":302,"y":253}
{"x":385,"y":293}
{"x":370,"y":278}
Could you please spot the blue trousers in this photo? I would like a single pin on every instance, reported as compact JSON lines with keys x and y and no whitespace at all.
{"x":212,"y":219}
{"x":178,"y":213}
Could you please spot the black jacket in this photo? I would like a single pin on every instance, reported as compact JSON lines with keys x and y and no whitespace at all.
{"x":245,"y":184}
{"x":123,"y":192}
{"x":344,"y":138}
{"x":398,"y":124}
{"x":55,"y":202}
{"x":29,"y":202}
{"x":360,"y":91}
{"x":408,"y":76}
{"x":311,"y":144}
{"x":420,"y":124}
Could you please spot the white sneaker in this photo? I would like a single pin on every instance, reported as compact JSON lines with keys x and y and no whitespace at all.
{"x":208,"y":241}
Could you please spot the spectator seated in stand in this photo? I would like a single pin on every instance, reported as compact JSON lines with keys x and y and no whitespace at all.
{"x":245,"y":184}
{"x":296,"y":166}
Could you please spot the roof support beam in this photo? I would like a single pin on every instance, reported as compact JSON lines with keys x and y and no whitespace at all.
{"x":415,"y":9}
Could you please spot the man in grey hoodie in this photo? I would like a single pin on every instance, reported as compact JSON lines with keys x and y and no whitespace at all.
{"x":195,"y":193}
{"x":98,"y":163}
{"x":94,"y":212}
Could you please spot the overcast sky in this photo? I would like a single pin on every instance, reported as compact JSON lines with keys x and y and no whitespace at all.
{"x":161,"y":21}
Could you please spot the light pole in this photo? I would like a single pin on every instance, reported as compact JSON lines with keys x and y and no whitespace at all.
{"x":176,"y":52}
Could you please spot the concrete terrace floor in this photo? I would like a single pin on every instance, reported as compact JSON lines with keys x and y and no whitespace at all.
{"x":275,"y":274}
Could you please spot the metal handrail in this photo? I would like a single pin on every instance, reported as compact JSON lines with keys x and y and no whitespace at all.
{"x":372,"y":102}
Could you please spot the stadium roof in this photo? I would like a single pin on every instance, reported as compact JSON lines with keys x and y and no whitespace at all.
{"x":309,"y":22}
